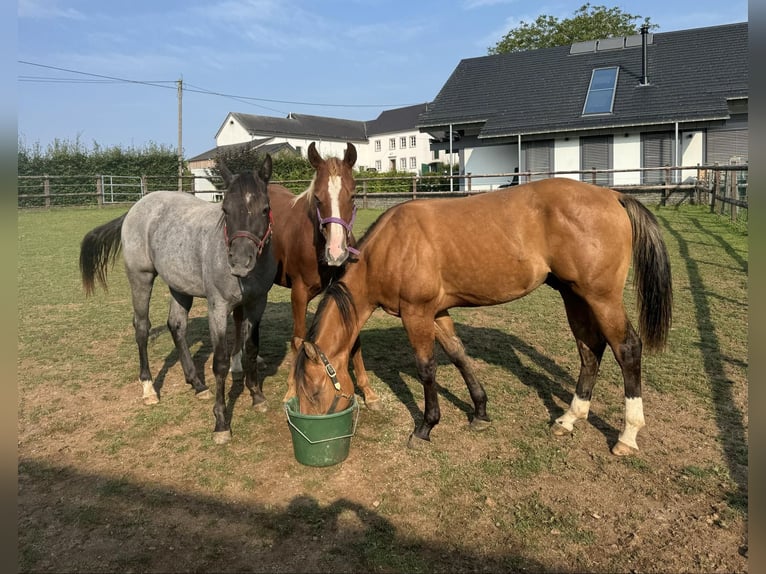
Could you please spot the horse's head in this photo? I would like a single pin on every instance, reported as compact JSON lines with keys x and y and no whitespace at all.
{"x":333,"y":190}
{"x":322,"y":381}
{"x":322,"y":388}
{"x":246,"y":217}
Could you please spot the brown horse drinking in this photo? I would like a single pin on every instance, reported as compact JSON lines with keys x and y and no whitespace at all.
{"x":312,"y":242}
{"x":423,"y":257}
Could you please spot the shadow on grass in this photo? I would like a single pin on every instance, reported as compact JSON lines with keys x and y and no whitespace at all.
{"x":728,"y":418}
{"x":74,"y":521}
{"x":388,"y":355}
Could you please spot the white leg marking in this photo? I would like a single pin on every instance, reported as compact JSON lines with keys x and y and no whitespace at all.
{"x":150,"y":395}
{"x":337,"y":234}
{"x":634,"y":421}
{"x":577,"y":410}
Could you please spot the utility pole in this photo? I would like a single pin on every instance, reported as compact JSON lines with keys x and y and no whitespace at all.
{"x":180,"y":140}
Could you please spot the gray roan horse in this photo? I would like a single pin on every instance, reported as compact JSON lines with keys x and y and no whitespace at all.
{"x":221,"y":252}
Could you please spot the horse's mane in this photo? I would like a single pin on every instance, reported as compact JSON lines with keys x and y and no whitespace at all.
{"x":337,"y":292}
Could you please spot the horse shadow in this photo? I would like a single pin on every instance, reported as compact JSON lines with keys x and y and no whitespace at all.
{"x":388,"y":354}
{"x":275,"y":334}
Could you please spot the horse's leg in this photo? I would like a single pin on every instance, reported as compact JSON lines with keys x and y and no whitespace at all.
{"x":178,"y":318}
{"x":420,"y":331}
{"x":590,"y":346}
{"x":236,"y":358}
{"x":371,"y":399}
{"x":141,"y":284}
{"x":610,"y":319}
{"x":453,"y":347}
{"x":299,"y":300}
{"x":217,"y":317}
{"x":250,"y":355}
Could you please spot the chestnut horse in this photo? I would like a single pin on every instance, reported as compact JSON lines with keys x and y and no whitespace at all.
{"x":423,"y":257}
{"x":313,"y":240}
{"x":221,"y":252}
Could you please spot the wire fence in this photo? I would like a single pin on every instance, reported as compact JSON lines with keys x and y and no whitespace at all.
{"x":723,"y":187}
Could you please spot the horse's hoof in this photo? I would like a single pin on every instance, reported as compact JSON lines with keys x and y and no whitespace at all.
{"x":221,"y":437}
{"x":480,"y":424}
{"x":374,"y":405}
{"x":261,"y":407}
{"x":622,"y":449}
{"x":151,"y":400}
{"x":417,"y":443}
{"x":558,"y":429}
{"x":205,"y":395}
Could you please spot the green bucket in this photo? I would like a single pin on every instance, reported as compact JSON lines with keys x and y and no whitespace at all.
{"x":321,"y":440}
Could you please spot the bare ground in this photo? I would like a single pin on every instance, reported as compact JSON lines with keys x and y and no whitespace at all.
{"x":108,"y":484}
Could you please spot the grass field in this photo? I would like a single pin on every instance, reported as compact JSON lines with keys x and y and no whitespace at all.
{"x":107,"y":484}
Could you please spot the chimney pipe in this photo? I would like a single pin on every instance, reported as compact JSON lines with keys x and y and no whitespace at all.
{"x":644,"y":66}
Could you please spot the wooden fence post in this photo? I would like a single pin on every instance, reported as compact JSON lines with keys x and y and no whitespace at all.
{"x":99,"y":192}
{"x":414,"y":186}
{"x":47,"y":190}
{"x":716,"y":183}
{"x":144,"y":185}
{"x":364,"y":194}
{"x":469,"y":182}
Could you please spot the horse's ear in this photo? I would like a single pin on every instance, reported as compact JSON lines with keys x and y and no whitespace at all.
{"x":349,"y":158}
{"x":311,"y":351}
{"x":265,"y":171}
{"x":225,"y":173}
{"x":314,"y":158}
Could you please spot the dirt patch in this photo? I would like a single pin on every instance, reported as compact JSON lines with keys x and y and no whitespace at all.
{"x":108,"y":484}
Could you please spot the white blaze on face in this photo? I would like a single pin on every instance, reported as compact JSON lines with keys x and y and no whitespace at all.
{"x":336,"y":233}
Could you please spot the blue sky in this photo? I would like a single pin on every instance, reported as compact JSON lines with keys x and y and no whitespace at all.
{"x":339,"y":58}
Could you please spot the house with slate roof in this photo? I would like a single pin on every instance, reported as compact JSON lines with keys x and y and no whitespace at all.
{"x":628,"y":103}
{"x":392,"y":141}
{"x":676,"y":98}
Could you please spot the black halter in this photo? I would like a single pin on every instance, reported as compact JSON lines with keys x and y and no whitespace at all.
{"x":332,"y":373}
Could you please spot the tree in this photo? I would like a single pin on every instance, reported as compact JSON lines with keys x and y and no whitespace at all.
{"x":587,"y":23}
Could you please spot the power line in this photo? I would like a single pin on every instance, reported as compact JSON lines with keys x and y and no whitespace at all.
{"x":198,"y":90}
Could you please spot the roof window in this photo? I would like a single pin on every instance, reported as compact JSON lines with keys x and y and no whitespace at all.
{"x":600,"y":98}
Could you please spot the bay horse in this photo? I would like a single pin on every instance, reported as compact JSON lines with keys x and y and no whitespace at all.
{"x":423,"y":257}
{"x":313,"y":239}
{"x":221,"y":252}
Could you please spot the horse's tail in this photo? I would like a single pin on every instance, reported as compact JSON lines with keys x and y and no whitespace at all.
{"x":98,"y":248}
{"x":651,"y":275}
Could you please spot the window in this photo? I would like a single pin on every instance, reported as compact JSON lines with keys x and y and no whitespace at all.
{"x":435,"y":154}
{"x":413,"y":141}
{"x":537,"y":156}
{"x":378,"y":165}
{"x":656,"y":151}
{"x":596,"y":153}
{"x":391,"y":143}
{"x":403,"y":142}
{"x":413,"y":163}
{"x":377,"y":145}
{"x":403,"y":163}
{"x":600,"y":98}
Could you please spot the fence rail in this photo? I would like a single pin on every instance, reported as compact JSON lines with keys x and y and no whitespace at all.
{"x":723,"y":187}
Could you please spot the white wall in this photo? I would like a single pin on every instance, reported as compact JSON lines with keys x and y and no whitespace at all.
{"x":368,"y":156}
{"x":566,"y":156}
{"x":490,"y":160}
{"x":626,"y":155}
{"x":692,"y":153}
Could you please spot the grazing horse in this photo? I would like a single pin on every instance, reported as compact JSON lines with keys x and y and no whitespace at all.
{"x":423,"y":257}
{"x":221,"y":252}
{"x":312,"y":242}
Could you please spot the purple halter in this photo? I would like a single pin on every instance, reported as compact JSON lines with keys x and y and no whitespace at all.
{"x":347,"y":226}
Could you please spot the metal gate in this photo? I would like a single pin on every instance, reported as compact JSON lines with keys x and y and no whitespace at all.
{"x":121,"y":188}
